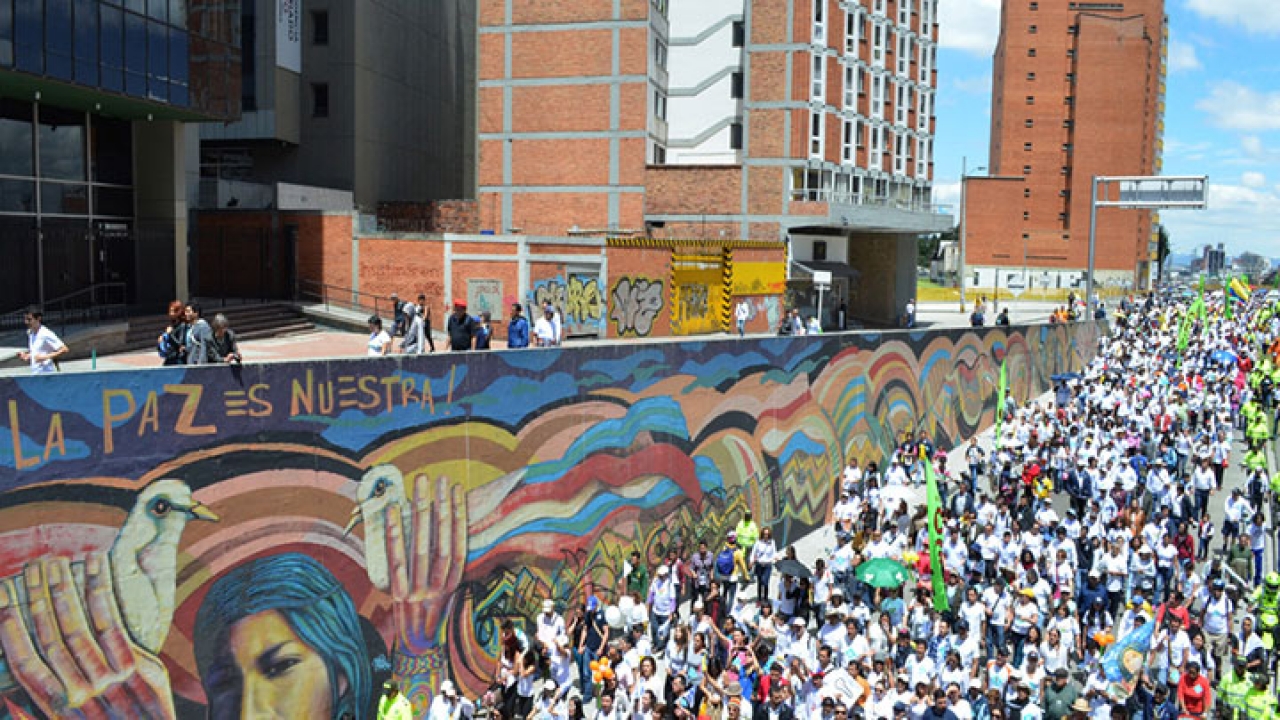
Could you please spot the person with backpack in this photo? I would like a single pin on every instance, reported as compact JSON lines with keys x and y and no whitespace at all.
{"x":728,"y":561}
{"x":170,"y":344}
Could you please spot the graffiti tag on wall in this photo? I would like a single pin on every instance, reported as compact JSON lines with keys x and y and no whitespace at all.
{"x":635,"y":304}
{"x":580,"y":301}
{"x":485,"y":296}
{"x":386,"y":516}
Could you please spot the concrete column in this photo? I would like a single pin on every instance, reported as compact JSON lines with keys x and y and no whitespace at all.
{"x":160,"y":203}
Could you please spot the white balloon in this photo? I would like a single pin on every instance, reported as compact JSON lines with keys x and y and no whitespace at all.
{"x":613,"y":616}
{"x":626,"y":604}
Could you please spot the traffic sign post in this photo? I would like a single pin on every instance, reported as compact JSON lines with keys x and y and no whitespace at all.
{"x":1152,"y":192}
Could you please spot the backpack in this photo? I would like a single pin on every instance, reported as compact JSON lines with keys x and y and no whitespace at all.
{"x":724,"y":562}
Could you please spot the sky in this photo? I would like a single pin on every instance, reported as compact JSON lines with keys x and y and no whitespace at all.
{"x":1222,"y":113}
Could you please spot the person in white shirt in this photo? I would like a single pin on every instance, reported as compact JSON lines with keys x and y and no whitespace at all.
{"x":379,"y":343}
{"x":550,"y":626}
{"x":448,"y":706}
{"x":742,"y":313}
{"x":545,"y":331}
{"x":43,"y":346}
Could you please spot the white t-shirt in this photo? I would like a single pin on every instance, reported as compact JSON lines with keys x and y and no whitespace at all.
{"x":42,"y":342}
{"x":378,"y":341}
{"x":546,"y":332}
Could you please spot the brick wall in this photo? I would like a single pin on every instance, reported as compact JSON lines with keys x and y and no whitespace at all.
{"x":441,"y":216}
{"x":687,"y":189}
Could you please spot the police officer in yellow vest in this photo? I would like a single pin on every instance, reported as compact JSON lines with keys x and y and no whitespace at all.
{"x":1260,"y":702}
{"x":1234,"y":687}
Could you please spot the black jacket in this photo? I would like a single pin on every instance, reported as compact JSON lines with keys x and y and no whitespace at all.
{"x":461,"y":331}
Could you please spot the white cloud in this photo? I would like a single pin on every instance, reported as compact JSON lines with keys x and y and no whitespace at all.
{"x":1252,"y":144}
{"x":1234,"y":106}
{"x":1253,"y":179}
{"x":1182,"y":56}
{"x":975,"y":85}
{"x":1255,"y":16}
{"x":1239,"y":215}
{"x":971,"y":25}
{"x":947,"y":193}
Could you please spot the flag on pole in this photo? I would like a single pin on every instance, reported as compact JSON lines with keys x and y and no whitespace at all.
{"x":1001,"y":391}
{"x":1184,"y":329}
{"x":940,"y":602}
{"x":1199,"y":304}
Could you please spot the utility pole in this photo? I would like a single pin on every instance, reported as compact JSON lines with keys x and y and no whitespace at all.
{"x":960,"y":266}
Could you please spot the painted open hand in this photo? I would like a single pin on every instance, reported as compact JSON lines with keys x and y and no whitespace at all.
{"x":424,"y":576}
{"x":82,"y":665}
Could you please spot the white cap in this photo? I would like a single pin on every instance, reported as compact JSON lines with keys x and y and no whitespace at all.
{"x":548,"y":606}
{"x":448,"y":689}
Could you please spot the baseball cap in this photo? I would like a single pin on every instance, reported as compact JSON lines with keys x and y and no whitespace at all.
{"x":448,"y":689}
{"x":548,"y":606}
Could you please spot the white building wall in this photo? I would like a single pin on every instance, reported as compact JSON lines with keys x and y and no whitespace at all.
{"x":701,"y":61}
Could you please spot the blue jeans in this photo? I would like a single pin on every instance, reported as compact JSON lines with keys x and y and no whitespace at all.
{"x":585,"y":658}
{"x":995,"y":638}
{"x":763,"y":573}
{"x":1257,"y":567}
{"x":1202,"y":502}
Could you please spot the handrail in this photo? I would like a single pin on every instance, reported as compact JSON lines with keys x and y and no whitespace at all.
{"x":88,"y":305}
{"x":335,"y":294}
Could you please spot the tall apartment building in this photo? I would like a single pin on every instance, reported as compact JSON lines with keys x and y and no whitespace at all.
{"x":1078,"y":91}
{"x":97,"y":100}
{"x":373,"y":97}
{"x":810,"y":121}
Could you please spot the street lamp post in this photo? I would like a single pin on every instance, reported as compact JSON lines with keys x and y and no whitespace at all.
{"x":961,"y":267}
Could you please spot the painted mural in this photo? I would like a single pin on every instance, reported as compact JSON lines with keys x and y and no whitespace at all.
{"x":175,"y":540}
{"x":580,"y":300}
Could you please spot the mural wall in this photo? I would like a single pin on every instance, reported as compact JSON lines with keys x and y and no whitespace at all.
{"x":176,"y":540}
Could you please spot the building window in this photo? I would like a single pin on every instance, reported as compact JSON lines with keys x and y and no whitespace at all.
{"x":1066,"y":147}
{"x":1068,"y":100}
{"x":1031,"y":99}
{"x":819,"y":250}
{"x":1067,"y":124}
{"x":904,"y":12}
{"x":878,"y":7}
{"x":660,"y":54}
{"x":877,"y":96}
{"x":659,"y":155}
{"x":1034,"y":6}
{"x":1026,"y":215}
{"x":320,"y":27}
{"x":661,"y":7}
{"x":819,"y":21}
{"x":1030,"y":123}
{"x":817,"y":92}
{"x":904,"y":54}
{"x":848,"y":145}
{"x":1031,"y":52}
{"x":1071,"y":77}
{"x":659,"y":105}
{"x":1026,"y":147}
{"x":735,"y":85}
{"x":1062,"y":217}
{"x":852,"y":24}
{"x":1031,"y":76}
{"x":735,"y":136}
{"x":877,"y":45}
{"x":320,"y":100}
{"x":739,"y":33}
{"x":1026,"y":169}
{"x":1073,"y":29}
{"x":1031,"y":29}
{"x":815,"y":135}
{"x":850,"y":87}
{"x":1026,"y":193}
{"x":858,"y":134}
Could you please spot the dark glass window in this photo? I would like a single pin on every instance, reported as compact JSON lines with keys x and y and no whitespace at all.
{"x":248,"y":59}
{"x":61,"y":144}
{"x":86,"y":19}
{"x":178,"y":13}
{"x":111,"y":48}
{"x":16,"y":157}
{"x":64,"y":198}
{"x":158,"y":10}
{"x":113,"y":201}
{"x":179,"y":95}
{"x":28,"y":35}
{"x":320,"y":100}
{"x":157,"y":61}
{"x":320,"y":27}
{"x":735,"y":85}
{"x":735,"y":136}
{"x":6,"y":32}
{"x":739,"y":33}
{"x":138,"y":6}
{"x":178,"y":56}
{"x":112,"y":148}
{"x":135,"y":54}
{"x":17,"y":196}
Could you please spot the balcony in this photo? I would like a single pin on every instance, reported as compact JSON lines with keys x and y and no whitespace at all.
{"x":868,"y":212}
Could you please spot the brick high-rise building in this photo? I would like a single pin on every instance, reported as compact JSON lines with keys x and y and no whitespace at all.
{"x":1078,"y":91}
{"x":810,"y":121}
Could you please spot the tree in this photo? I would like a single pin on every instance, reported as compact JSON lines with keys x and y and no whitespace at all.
{"x":928,"y":245}
{"x":1162,"y":253}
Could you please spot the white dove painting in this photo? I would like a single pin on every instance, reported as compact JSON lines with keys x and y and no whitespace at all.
{"x":381,"y":488}
{"x":144,"y":563}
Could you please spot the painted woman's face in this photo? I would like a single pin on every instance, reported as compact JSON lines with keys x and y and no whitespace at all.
{"x":268,"y":672}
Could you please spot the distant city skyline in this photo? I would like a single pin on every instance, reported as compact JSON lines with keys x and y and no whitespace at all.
{"x":1222,"y":114}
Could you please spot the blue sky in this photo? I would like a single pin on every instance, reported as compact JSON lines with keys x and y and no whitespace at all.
{"x":1222,"y":113}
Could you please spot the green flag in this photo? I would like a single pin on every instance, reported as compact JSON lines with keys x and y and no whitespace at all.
{"x":1001,"y":391}
{"x":1184,"y":329}
{"x":1227,"y":302}
{"x":1199,"y":306}
{"x":940,"y":602}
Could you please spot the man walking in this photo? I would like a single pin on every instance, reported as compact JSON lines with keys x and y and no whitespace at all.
{"x":43,"y":346}
{"x":742,"y":313}
{"x":518,"y":329}
{"x":199,"y":336}
{"x":461,"y":328}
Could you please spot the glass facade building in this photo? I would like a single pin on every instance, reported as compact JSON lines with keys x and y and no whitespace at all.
{"x":80,"y":80}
